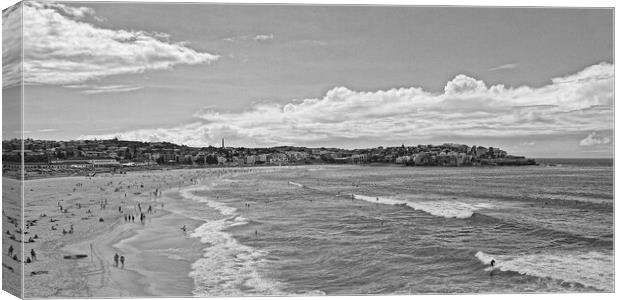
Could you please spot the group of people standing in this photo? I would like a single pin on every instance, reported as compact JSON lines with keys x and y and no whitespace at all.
{"x":132,"y":218}
{"x":11,"y":254}
{"x":117,"y":258}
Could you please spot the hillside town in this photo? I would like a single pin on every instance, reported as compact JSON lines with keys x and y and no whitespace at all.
{"x":42,"y":156}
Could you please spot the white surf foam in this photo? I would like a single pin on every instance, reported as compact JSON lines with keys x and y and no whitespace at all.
{"x":593,"y":269}
{"x":296,"y":184}
{"x":440,"y":208}
{"x":227,"y":268}
{"x":220,"y":207}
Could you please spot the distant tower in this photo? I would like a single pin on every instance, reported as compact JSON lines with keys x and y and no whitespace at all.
{"x":222,"y":143}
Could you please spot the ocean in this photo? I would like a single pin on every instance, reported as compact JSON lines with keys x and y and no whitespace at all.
{"x":344,"y":230}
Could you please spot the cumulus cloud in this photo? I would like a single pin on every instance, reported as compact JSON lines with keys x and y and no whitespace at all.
{"x":594,"y":139}
{"x":462,"y":84}
{"x":61,"y":47}
{"x":574,"y":104}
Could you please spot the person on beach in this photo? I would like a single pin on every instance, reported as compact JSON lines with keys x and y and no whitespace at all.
{"x":122,"y":261}
{"x":11,"y":250}
{"x":33,"y":254}
{"x":116,"y":259}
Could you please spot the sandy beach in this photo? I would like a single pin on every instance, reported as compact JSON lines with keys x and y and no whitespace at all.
{"x":69,"y":215}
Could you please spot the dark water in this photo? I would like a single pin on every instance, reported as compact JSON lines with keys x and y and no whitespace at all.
{"x":407,"y":230}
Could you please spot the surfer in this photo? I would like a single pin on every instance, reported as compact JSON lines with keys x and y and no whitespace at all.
{"x":492,"y":267}
{"x":122,"y":261}
{"x":116,"y":259}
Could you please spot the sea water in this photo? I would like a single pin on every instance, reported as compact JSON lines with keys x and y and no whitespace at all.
{"x":399,"y":230}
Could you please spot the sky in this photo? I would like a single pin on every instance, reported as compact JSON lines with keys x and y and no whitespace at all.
{"x":532,"y":81}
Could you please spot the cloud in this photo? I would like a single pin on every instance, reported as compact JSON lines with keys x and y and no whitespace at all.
{"x":504,"y":67}
{"x":256,"y":38}
{"x":11,"y":45}
{"x":468,"y":108}
{"x":61,"y":47}
{"x":263,"y":37}
{"x":462,"y":84}
{"x":593,"y":139}
{"x":99,"y":89}
{"x":47,"y":130}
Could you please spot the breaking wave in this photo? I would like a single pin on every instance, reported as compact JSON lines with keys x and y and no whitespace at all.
{"x":440,"y":208}
{"x":593,"y":269}
{"x":227,"y":268}
{"x":296,"y":184}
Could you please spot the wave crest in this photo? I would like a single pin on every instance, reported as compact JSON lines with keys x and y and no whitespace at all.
{"x":593,"y":269}
{"x":440,"y":208}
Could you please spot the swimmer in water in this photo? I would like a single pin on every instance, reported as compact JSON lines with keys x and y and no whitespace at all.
{"x":184,"y":228}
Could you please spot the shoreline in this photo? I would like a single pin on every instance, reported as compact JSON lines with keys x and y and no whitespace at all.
{"x":150,"y":270}
{"x":51,"y":275}
{"x":159,"y":257}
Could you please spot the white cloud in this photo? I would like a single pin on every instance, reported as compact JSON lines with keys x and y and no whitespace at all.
{"x":593,"y":139}
{"x":11,"y":45}
{"x":263,"y":37}
{"x":256,"y":38}
{"x":582,"y":102}
{"x":462,"y":84}
{"x":47,"y":130}
{"x":504,"y":67}
{"x":99,"y":89}
{"x":61,"y":47}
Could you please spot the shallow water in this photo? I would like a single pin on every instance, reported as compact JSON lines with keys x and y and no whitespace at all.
{"x":395,"y":230}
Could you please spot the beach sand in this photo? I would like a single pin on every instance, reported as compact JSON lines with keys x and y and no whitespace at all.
{"x":158,"y":254}
{"x":11,"y":221}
